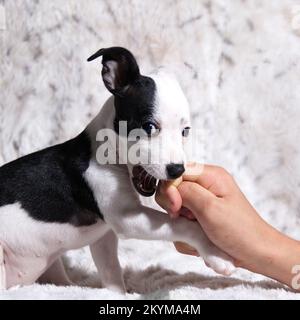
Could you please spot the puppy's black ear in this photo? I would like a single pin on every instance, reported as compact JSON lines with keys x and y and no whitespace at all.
{"x":119,"y":70}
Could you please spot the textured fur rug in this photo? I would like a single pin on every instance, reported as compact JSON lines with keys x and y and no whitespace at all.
{"x":238,"y":62}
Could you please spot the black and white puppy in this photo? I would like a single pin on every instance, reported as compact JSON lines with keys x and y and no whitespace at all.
{"x":62,"y":198}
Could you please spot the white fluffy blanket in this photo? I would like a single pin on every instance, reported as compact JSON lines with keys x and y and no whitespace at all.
{"x":238,"y":62}
{"x":154,"y":270}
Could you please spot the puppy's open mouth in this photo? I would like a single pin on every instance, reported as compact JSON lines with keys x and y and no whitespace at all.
{"x":144,"y":183}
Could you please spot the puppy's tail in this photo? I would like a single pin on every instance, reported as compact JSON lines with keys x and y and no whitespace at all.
{"x":2,"y":270}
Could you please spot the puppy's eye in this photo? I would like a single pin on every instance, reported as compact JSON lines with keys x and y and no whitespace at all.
{"x":150,"y":128}
{"x":186,"y":131}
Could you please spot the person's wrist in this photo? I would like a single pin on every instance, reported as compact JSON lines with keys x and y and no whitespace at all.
{"x":275,"y":257}
{"x":260,"y":251}
{"x":285,"y":256}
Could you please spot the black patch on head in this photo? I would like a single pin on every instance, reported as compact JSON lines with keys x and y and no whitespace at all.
{"x":137,"y":107}
{"x":134,"y":93}
{"x":50,"y":186}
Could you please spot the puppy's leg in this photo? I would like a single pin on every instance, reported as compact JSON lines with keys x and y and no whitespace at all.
{"x":56,"y":274}
{"x":149,"y":224}
{"x":2,"y":270}
{"x":105,"y":256}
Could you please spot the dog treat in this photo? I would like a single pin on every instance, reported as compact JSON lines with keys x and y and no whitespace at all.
{"x":175,"y":182}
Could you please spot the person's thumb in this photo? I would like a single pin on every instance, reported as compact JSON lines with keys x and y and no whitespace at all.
{"x":195,"y":198}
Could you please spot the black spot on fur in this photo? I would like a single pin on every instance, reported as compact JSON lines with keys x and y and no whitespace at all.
{"x":137,"y":107}
{"x":49,"y":184}
{"x":134,"y":93}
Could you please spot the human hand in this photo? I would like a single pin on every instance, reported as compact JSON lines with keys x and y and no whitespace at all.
{"x":211,"y":195}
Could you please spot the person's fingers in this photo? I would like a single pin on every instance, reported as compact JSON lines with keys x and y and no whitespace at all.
{"x":193,"y":170}
{"x":185,"y":249}
{"x":205,"y":175}
{"x":174,"y":197}
{"x":195,"y":197}
{"x":160,"y":196}
{"x":168,"y":198}
{"x":213,"y":178}
{"x":198,"y":186}
{"x":185,"y":212}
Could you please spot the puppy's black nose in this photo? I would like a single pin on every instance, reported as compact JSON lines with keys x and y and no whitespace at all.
{"x":175,"y":170}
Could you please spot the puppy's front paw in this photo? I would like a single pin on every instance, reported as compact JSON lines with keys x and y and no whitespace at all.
{"x":220,"y":263}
